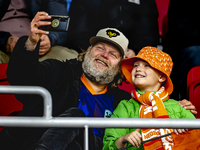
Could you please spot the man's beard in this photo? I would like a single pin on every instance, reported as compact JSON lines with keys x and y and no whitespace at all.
{"x":95,"y":75}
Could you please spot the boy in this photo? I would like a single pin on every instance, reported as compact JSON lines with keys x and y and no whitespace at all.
{"x":149,"y":71}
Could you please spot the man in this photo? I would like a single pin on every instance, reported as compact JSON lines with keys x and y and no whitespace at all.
{"x":92,"y":80}
{"x":83,"y":87}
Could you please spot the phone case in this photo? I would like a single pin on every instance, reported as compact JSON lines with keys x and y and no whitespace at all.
{"x":58,"y":23}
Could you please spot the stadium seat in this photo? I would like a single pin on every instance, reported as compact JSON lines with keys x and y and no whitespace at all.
{"x":9,"y":105}
{"x":193,"y":88}
{"x":162,"y":6}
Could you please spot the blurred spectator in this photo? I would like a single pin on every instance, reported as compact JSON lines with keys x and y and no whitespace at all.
{"x":68,"y":4}
{"x":136,"y":19}
{"x":183,"y":42}
{"x":15,"y":18}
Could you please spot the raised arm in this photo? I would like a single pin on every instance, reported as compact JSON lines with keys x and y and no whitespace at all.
{"x":24,"y":67}
{"x":36,"y":33}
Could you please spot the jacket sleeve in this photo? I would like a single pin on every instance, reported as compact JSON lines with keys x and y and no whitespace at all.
{"x":125,"y":109}
{"x":186,"y":114}
{"x":175,"y":111}
{"x":25,"y":69}
{"x":57,"y":7}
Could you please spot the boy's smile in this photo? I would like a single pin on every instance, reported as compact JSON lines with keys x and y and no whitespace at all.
{"x":139,"y":76}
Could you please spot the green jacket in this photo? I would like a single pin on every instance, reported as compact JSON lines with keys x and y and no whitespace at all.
{"x":130,"y":109}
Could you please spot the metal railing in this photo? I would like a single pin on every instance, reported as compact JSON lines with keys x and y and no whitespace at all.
{"x":80,"y":122}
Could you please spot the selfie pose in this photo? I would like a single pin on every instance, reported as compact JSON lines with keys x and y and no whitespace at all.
{"x":83,"y":87}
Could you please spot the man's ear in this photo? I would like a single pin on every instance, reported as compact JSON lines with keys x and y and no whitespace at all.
{"x":162,"y":78}
{"x":89,"y":48}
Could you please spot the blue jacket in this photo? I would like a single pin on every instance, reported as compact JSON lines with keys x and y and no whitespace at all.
{"x":53,"y":7}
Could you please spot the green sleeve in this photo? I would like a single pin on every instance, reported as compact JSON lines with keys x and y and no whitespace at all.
{"x":125,"y":109}
{"x":176,"y":111}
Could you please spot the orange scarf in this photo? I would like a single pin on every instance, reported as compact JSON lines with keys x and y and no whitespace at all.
{"x":152,"y":107}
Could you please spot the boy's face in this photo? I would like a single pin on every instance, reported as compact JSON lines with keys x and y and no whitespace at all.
{"x":145,"y":77}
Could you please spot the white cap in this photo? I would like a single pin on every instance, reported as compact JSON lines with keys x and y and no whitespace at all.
{"x":113,"y":36}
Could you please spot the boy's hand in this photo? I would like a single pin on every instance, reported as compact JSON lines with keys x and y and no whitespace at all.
{"x":188,"y":105}
{"x":134,"y":138}
{"x":177,"y":131}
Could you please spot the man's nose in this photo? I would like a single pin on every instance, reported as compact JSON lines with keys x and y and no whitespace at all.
{"x":105,"y":54}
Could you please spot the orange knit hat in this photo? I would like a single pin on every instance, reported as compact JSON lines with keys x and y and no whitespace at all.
{"x":156,"y":58}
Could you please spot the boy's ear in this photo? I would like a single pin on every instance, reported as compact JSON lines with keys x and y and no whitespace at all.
{"x":163,"y":78}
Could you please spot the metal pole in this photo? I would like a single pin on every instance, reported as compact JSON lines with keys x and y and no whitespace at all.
{"x":86,"y":138}
{"x":79,"y":122}
{"x":32,"y":90}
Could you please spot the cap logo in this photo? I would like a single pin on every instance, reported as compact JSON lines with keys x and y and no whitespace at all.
{"x":112,"y":33}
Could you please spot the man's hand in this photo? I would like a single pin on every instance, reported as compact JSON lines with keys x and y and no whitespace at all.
{"x":45,"y":45}
{"x":188,"y":105}
{"x":36,"y":33}
{"x":12,"y":40}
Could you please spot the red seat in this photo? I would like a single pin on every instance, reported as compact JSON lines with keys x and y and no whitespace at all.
{"x":193,"y":88}
{"x":9,"y":105}
{"x":162,"y":6}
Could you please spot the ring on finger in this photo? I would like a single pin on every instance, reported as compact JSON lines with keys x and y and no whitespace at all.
{"x":35,"y":25}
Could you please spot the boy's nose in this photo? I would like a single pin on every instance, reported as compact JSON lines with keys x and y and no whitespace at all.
{"x":139,"y":68}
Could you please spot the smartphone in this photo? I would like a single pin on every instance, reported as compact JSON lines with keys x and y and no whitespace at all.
{"x":58,"y":23}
